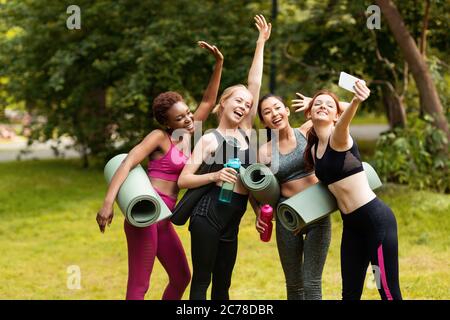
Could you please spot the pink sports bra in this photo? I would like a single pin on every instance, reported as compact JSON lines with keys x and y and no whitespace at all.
{"x":169,"y":166}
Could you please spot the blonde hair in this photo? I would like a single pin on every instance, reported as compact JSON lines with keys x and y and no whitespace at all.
{"x":228,"y":92}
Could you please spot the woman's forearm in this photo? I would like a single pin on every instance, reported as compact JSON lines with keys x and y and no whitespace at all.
{"x":348,"y":115}
{"x":256,"y":70}
{"x":116,"y":182}
{"x":210,"y":96}
{"x":254,"y":204}
{"x":190,"y":181}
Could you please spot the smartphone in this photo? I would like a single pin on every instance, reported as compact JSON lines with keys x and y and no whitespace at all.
{"x":347,"y":81}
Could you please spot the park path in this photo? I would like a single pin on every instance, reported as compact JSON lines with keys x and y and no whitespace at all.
{"x":10,"y":150}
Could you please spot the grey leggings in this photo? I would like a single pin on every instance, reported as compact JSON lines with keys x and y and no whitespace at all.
{"x":303,"y":258}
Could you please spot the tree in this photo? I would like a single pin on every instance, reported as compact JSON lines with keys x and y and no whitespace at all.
{"x":430,"y":101}
{"x":96,"y":84}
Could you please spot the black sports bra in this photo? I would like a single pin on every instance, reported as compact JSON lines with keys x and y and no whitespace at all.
{"x":337,"y":165}
{"x":230,"y":150}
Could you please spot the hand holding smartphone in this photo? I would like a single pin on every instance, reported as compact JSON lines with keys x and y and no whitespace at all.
{"x":347,"y":81}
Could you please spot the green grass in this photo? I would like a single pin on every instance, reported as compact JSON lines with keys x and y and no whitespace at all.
{"x":48,"y":209}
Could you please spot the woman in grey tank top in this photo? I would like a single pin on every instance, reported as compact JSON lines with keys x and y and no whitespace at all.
{"x":303,"y":254}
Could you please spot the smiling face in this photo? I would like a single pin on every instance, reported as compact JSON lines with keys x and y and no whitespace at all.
{"x":236,"y":106}
{"x":323,"y":108}
{"x":274,"y":113}
{"x":179,"y":116}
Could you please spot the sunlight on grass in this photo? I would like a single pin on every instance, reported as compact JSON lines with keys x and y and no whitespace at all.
{"x":48,"y":224}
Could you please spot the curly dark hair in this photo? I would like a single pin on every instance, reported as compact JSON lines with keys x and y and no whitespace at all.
{"x":162,"y":103}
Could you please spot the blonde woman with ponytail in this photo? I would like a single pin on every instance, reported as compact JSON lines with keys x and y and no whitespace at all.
{"x":214,"y":225}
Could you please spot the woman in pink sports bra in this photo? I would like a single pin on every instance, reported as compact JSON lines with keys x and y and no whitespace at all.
{"x":166,"y":160}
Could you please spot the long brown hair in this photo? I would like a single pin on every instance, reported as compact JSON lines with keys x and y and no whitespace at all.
{"x":312,"y":138}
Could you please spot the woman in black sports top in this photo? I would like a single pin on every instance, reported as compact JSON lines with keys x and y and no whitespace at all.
{"x":214,"y":225}
{"x":370,"y":227}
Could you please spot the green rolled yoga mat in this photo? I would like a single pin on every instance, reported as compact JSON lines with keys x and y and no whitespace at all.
{"x":261,"y":183}
{"x":140,"y":203}
{"x":315,"y":203}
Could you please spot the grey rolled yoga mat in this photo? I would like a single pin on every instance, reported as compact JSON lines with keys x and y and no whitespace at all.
{"x":139,"y":202}
{"x":261,"y":183}
{"x":315,"y":203}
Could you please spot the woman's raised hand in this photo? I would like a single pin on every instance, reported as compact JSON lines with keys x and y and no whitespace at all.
{"x":213,"y":49}
{"x":263,"y":27}
{"x":362,"y":92}
{"x":300,"y":104}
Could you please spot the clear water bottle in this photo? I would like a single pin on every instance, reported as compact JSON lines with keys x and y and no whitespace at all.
{"x":226,"y":192}
{"x":267,"y":216}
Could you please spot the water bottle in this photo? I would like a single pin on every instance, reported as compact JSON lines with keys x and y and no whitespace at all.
{"x":266,"y":216}
{"x":226,"y":192}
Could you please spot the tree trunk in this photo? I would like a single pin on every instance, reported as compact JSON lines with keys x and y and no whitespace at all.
{"x":395,"y":109}
{"x":431,"y":103}
{"x":96,"y":122}
{"x":423,"y":36}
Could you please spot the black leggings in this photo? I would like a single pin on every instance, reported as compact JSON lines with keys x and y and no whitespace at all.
{"x":370,"y":235}
{"x":214,"y":228}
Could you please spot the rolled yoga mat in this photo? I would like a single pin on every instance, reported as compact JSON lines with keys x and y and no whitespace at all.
{"x":315,"y":203}
{"x":261,"y":183}
{"x":139,"y":202}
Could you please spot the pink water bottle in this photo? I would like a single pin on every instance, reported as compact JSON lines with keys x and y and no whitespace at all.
{"x":266,"y":216}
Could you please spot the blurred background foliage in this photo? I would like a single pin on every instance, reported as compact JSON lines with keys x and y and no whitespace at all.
{"x":97,"y":84}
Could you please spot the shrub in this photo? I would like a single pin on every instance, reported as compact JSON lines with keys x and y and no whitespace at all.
{"x":416,"y":155}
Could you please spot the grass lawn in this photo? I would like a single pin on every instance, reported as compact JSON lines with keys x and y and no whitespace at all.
{"x":48,"y":209}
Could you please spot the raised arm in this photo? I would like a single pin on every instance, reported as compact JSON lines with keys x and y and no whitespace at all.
{"x":189,"y":179}
{"x":134,"y":157}
{"x":256,"y":70}
{"x":210,"y":96}
{"x":341,"y":133}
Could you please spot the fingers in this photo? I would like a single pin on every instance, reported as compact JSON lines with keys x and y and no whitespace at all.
{"x":205,"y":45}
{"x":300,"y":108}
{"x":260,"y":226}
{"x":298,"y":101}
{"x":110,"y":219}
{"x":298,"y":94}
{"x":361,"y":85}
{"x":258,"y":23}
{"x":263,"y":20}
{"x":101,"y":223}
{"x":261,"y":23}
{"x":361,"y":91}
{"x":228,"y":175}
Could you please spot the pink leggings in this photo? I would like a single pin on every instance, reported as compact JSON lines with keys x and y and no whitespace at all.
{"x":157,"y":240}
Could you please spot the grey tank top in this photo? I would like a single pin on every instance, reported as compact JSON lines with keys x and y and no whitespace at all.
{"x":290,"y":166}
